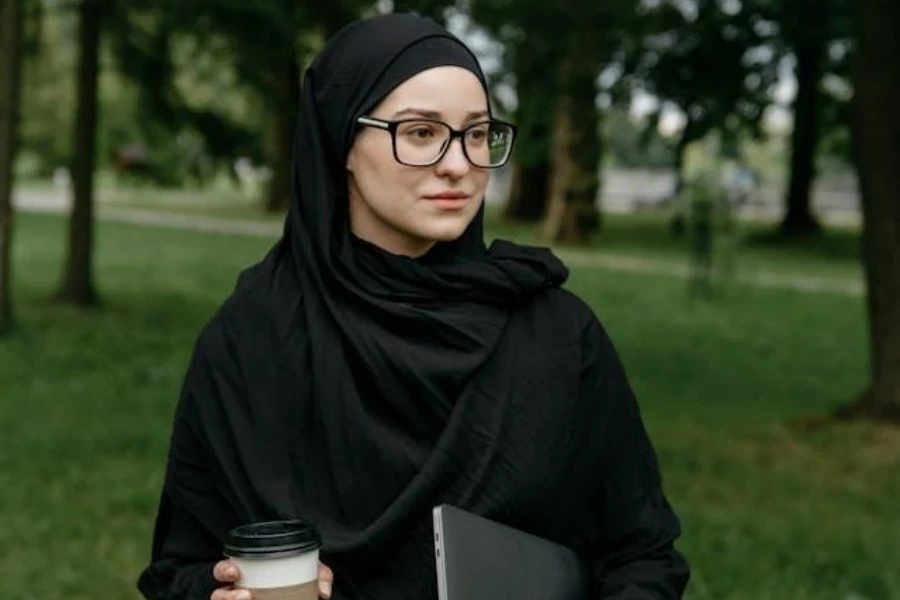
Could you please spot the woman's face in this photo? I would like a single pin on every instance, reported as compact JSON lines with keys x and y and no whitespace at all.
{"x":405,"y":209}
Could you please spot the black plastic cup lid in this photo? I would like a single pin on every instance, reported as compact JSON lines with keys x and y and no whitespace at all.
{"x":271,"y":539}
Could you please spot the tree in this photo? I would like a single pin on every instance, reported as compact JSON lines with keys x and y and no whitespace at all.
{"x":632,"y":144}
{"x":49,"y":47}
{"x":877,"y":154}
{"x":187,"y":88}
{"x":10,"y":69}
{"x":571,"y":213}
{"x":531,"y":167}
{"x":809,"y":48}
{"x":281,"y":80}
{"x":710,"y":63}
{"x":556,"y":53}
{"x":257,"y":42}
{"x":264,"y":44}
{"x":268,"y":56}
{"x":77,"y":285}
{"x":276,"y":76}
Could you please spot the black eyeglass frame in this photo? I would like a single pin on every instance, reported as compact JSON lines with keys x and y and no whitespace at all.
{"x":392,"y":127}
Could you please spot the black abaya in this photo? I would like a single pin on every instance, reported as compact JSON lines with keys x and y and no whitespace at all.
{"x":356,"y":389}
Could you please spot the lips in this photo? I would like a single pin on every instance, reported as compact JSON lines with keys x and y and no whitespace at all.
{"x":447,"y":196}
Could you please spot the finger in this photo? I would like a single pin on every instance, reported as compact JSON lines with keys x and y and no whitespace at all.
{"x":229,"y":594}
{"x":325,"y":589}
{"x":326,"y":581}
{"x":226,"y":571}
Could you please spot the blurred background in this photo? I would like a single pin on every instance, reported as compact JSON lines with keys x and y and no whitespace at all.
{"x":722,"y":177}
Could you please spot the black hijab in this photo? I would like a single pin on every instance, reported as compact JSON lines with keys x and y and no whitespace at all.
{"x":357,"y":389}
{"x":414,"y":330}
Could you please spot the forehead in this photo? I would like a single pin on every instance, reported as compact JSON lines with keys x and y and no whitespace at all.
{"x":450,"y":91}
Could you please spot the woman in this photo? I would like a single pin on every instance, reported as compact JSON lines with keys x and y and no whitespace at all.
{"x":380,"y":360}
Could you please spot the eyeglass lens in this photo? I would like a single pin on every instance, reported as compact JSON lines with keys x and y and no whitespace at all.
{"x":423,"y":142}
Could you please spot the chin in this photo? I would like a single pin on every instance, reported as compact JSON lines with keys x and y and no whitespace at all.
{"x":446,"y":232}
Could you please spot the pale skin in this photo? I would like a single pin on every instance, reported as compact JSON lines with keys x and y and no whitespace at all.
{"x":392,"y":205}
{"x":389,"y":202}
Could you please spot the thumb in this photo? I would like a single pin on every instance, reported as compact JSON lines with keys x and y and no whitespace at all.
{"x":326,"y":581}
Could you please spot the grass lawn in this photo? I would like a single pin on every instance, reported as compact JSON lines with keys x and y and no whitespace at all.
{"x":225,"y":203}
{"x":833,"y":257}
{"x":769,"y":511}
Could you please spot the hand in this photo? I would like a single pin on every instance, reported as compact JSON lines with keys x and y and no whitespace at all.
{"x":226,"y":571}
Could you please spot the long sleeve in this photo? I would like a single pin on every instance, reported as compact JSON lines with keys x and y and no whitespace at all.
{"x":192,"y":515}
{"x":635,"y":558}
{"x":183,"y":557}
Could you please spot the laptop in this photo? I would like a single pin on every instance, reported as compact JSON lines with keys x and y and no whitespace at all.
{"x":480,"y":559}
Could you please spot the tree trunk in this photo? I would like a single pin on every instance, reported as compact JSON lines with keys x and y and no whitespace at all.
{"x":286,"y":84}
{"x":877,"y":150}
{"x":679,"y":220}
{"x":560,"y":175}
{"x":688,"y":136}
{"x":531,"y":174}
{"x":529,"y":192}
{"x":572,"y":214}
{"x":78,"y":283}
{"x":799,"y":218}
{"x":590,"y":154}
{"x":10,"y":89}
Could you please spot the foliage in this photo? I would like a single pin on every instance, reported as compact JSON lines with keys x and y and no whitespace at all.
{"x":48,"y":93}
{"x":712,"y":61}
{"x":632,"y":144}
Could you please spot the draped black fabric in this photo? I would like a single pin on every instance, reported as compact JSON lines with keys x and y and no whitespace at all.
{"x":357,"y":389}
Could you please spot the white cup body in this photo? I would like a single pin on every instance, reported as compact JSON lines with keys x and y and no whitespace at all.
{"x":264,"y":573}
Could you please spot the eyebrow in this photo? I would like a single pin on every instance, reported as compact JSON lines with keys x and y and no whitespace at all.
{"x":433,"y":114}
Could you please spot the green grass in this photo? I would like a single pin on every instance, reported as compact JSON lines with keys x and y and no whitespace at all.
{"x":832,"y":257}
{"x":224,"y":203}
{"x":770,"y":511}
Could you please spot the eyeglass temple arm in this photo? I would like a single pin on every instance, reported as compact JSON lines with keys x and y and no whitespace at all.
{"x":373,"y":122}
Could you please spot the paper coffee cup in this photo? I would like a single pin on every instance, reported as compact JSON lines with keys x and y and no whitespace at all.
{"x":278,"y":560}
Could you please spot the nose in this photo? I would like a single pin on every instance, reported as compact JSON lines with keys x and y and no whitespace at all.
{"x":454,"y":162}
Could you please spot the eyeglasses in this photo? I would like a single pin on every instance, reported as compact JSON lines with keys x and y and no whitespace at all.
{"x":424,"y":142}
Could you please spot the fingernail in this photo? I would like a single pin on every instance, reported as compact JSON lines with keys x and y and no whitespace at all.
{"x":325,"y":589}
{"x":243,"y":595}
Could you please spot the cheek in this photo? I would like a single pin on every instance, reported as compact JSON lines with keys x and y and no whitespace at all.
{"x":374,"y":171}
{"x":386,"y":183}
{"x":401,"y":183}
{"x":482,"y":178}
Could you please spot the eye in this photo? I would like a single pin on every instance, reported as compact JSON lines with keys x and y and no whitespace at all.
{"x":478,"y":134}
{"x":419,"y":132}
